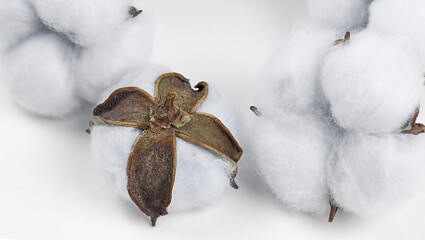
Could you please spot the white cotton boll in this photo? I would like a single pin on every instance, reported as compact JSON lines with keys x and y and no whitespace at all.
{"x":83,"y":22}
{"x":341,"y":15}
{"x":39,"y":76}
{"x":127,"y":48}
{"x":201,"y":175}
{"x":291,"y":157}
{"x":18,"y":21}
{"x":289,"y":80}
{"x":403,"y":20}
{"x":373,"y":173}
{"x":372,"y":84}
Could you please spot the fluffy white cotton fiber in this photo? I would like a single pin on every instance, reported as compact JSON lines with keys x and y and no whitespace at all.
{"x":331,"y":123}
{"x":374,"y":172}
{"x":340,"y":15}
{"x":57,"y":54}
{"x":47,"y":87}
{"x":201,"y":176}
{"x":372,"y":84}
{"x":128,"y":48}
{"x":83,"y":22}
{"x":18,"y":21}
{"x":403,"y":20}
{"x":291,"y":157}
{"x":290,"y":80}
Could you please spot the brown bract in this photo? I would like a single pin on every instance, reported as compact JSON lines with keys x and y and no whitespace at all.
{"x":151,"y":165}
{"x":134,"y":12}
{"x":415,"y":128}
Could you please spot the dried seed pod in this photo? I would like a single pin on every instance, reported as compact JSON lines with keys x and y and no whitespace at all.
{"x":151,"y":165}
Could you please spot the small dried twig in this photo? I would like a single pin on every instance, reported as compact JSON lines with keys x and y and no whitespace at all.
{"x":344,"y":40}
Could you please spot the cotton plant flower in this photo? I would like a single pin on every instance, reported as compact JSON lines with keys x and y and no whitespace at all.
{"x":357,"y":146}
{"x":56,"y":55}
{"x":201,"y":176}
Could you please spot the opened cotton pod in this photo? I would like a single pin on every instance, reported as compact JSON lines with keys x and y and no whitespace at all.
{"x":336,"y":118}
{"x":162,"y":146}
{"x":54,"y":53}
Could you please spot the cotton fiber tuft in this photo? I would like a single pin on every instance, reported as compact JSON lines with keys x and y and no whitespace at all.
{"x":59,"y":54}
{"x":337,"y":115}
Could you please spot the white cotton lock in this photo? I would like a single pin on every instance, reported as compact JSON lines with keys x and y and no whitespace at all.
{"x":372,"y":173}
{"x":201,"y":176}
{"x":346,"y":15}
{"x":289,"y":80}
{"x":129,"y":47}
{"x":45,"y":88}
{"x":83,"y":22}
{"x":372,"y":84}
{"x":291,"y":156}
{"x":18,"y":21}
{"x":402,"y":20}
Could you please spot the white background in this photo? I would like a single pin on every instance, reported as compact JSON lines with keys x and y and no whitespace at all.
{"x":50,"y":188}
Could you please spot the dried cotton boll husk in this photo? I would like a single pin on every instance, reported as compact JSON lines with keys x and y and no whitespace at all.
{"x":289,"y":79}
{"x":373,"y":173}
{"x":201,"y":176}
{"x":291,"y":157}
{"x":18,"y":21}
{"x":403,"y":20}
{"x":340,"y":15}
{"x":39,"y":76}
{"x":372,"y":85}
{"x":126,"y":49}
{"x":83,"y":22}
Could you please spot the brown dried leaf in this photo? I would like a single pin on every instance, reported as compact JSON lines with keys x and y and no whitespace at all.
{"x":209,"y":132}
{"x":151,"y":170}
{"x":128,"y":107}
{"x":187,"y":99}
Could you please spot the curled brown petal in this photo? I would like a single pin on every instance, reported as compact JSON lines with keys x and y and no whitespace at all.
{"x":151,"y":170}
{"x":209,"y":132}
{"x":128,"y":107}
{"x":187,"y":99}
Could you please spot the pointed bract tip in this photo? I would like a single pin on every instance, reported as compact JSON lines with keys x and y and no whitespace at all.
{"x":233,"y":183}
{"x":332,"y":213}
{"x":153,"y":221}
{"x":255,"y":110}
{"x":134,"y":12}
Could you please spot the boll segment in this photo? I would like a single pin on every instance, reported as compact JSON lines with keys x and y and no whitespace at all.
{"x":359,"y":77}
{"x":84,"y":40}
{"x":403,"y":21}
{"x":340,"y":15}
{"x":172,"y":114}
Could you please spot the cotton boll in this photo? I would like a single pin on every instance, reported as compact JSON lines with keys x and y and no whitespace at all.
{"x":372,"y":85}
{"x":373,"y":173}
{"x":291,"y":157}
{"x":127,"y":48}
{"x":340,"y":15}
{"x":39,"y":76}
{"x":289,"y":80}
{"x":201,"y":175}
{"x":83,"y":22}
{"x":18,"y":21}
{"x":403,"y":20}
